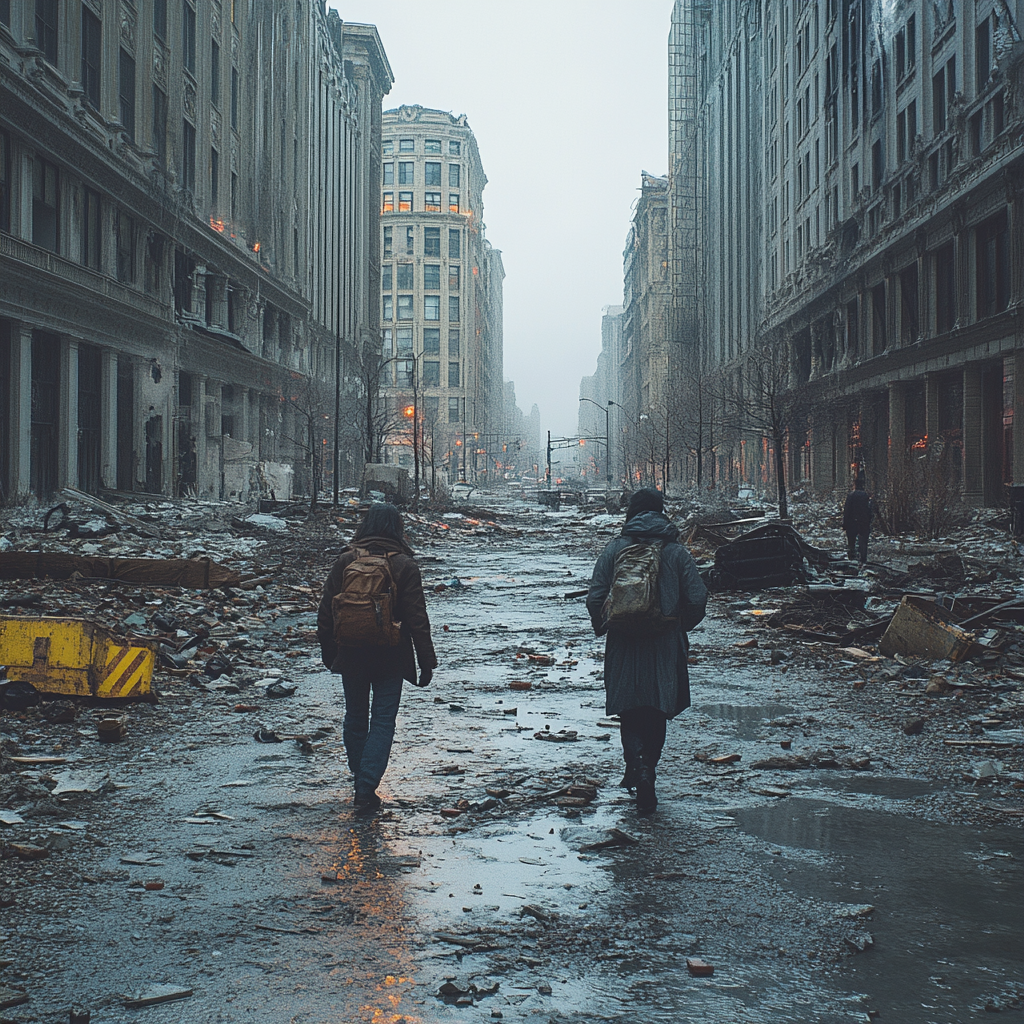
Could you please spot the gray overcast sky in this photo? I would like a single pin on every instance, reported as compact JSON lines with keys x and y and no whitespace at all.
{"x":568,"y":101}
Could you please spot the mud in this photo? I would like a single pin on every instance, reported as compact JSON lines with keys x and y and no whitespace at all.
{"x":279,"y":905}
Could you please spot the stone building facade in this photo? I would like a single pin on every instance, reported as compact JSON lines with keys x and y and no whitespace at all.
{"x":602,"y":390}
{"x":187,"y":239}
{"x":441,"y":294}
{"x":861,"y":170}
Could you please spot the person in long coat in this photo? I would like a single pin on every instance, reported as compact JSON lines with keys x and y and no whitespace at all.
{"x":368,"y":731}
{"x":646,"y":678}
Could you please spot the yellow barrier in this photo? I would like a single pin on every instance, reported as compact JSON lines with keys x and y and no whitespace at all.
{"x":75,"y":657}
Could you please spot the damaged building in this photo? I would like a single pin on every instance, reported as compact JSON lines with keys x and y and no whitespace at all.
{"x":847,"y":189}
{"x":188,"y":242}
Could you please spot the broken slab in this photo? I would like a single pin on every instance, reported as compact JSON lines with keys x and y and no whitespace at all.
{"x":155,"y":994}
{"x":195,"y":573}
{"x":920,"y":628}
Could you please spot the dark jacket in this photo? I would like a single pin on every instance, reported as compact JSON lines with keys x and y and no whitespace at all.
{"x":410,"y":610}
{"x":857,"y":512}
{"x":650,"y":671}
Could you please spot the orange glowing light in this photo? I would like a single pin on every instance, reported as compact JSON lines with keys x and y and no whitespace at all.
{"x":409,"y":411}
{"x":255,"y":246}
{"x":217,"y":225}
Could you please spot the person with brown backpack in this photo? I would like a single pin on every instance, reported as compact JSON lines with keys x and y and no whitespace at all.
{"x":645,"y":594}
{"x":372,"y":616}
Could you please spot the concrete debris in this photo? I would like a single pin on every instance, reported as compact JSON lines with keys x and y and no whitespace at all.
{"x":921,"y":628}
{"x":156,"y":994}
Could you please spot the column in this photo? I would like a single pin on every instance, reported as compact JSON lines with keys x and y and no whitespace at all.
{"x":897,"y":419}
{"x":108,"y":418}
{"x":1018,"y":414}
{"x":1015,"y":218}
{"x":961,"y":256}
{"x":21,"y":408}
{"x":821,"y":452}
{"x":973,"y":436}
{"x":67,"y":443}
{"x":931,"y":406}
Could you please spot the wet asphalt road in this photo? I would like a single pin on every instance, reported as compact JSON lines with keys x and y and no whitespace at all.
{"x":282,"y":906}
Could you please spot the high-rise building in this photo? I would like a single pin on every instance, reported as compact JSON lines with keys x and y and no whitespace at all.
{"x":188,"y":241}
{"x":441,"y":295}
{"x":859,"y":213}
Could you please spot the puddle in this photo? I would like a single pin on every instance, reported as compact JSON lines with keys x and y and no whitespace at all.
{"x":885,"y":786}
{"x":748,"y":719}
{"x":947,"y":907}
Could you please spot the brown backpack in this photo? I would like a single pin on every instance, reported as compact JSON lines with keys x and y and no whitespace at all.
{"x":364,"y":608}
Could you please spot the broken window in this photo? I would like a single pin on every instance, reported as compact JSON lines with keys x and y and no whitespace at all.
{"x":432,"y":242}
{"x":983,"y":54}
{"x":183,"y":270}
{"x":454,"y":148}
{"x":388,"y":147}
{"x":410,"y":241}
{"x":90,"y":229}
{"x":431,"y":373}
{"x":126,"y":93}
{"x":91,"y":54}
{"x":388,"y":245}
{"x":405,"y":277}
{"x":45,"y":205}
{"x":453,"y":278}
{"x":993,"y":266}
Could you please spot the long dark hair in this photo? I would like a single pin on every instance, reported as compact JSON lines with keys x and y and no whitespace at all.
{"x":382,"y":520}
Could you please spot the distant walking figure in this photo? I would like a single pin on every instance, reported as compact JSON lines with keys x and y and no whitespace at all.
{"x":857,"y":522}
{"x":645,"y":594}
{"x":372,"y":614}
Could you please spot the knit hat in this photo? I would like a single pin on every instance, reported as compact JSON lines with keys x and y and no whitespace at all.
{"x":647,"y":499}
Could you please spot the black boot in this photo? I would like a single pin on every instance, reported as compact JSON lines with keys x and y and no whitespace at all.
{"x":632,"y":753}
{"x":646,"y":798}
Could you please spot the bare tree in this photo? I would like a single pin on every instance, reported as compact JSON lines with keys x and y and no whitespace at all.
{"x":376,"y":415}
{"x":311,"y":401}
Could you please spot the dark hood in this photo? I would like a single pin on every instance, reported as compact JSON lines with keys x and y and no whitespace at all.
{"x":380,"y":543}
{"x":651,"y":524}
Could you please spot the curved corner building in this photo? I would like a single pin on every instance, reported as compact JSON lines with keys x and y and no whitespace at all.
{"x":441,"y":296}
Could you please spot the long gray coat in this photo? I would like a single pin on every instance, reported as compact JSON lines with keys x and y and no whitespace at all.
{"x":650,"y":671}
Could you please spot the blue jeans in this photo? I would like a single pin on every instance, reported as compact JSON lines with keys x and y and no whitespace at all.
{"x":369,"y":732}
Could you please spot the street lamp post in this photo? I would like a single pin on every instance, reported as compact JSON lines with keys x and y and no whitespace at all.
{"x":607,"y":439}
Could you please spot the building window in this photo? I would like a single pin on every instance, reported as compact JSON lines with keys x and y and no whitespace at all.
{"x":214,"y":176}
{"x":386,"y":343}
{"x":454,"y":148}
{"x":454,"y":244}
{"x":453,"y":202}
{"x":404,"y":338}
{"x":877,"y":165}
{"x":188,"y":157}
{"x":45,"y":205}
{"x":215,"y":73}
{"x":454,"y":174}
{"x":405,"y":202}
{"x":160,"y":19}
{"x":876,"y":88}
{"x":388,"y":206}
{"x":92,"y":49}
{"x":404,"y":369}
{"x":453,"y":343}
{"x":160,"y":125}
{"x":879,"y":336}
{"x":908,"y":306}
{"x":432,"y":146}
{"x":404,"y":307}
{"x":945,"y":289}
{"x":124,"y":241}
{"x":431,"y":373}
{"x":431,"y":307}
{"x":234,"y":98}
{"x":5,"y":182}
{"x":453,"y":308}
{"x":188,"y":36}
{"x":388,"y":245}
{"x":431,"y":173}
{"x":387,"y":308}
{"x":993,"y":266}
{"x":388,"y":147}
{"x":406,"y":173}
{"x":432,"y":242}
{"x":5,"y":13}
{"x":453,"y":375}
{"x":432,"y":277}
{"x":432,"y":202}
{"x":406,"y":146}
{"x":91,"y":245}
{"x":983,"y":54}
{"x":432,"y":341}
{"x":126,"y":93}
{"x":453,"y":410}
{"x":385,"y":277}
{"x":234,"y":195}
{"x":405,"y":271}
{"x":389,"y":173}
{"x":46,"y":29}
{"x":453,"y":278}
{"x":410,"y":241}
